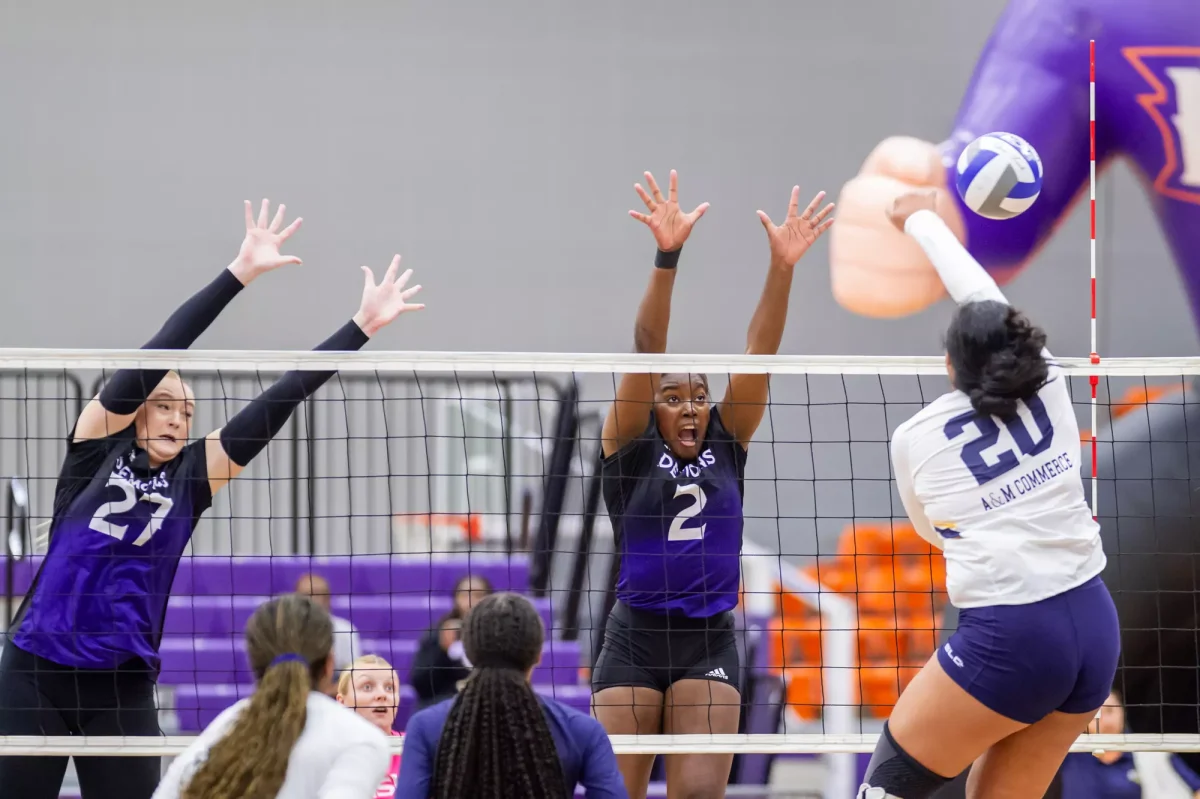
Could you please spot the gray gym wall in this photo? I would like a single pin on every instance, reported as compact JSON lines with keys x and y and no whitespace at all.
{"x":495,"y":146}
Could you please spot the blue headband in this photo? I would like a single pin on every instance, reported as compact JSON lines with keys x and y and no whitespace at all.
{"x":288,"y":657}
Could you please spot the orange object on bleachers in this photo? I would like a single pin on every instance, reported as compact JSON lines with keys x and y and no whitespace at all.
{"x":879,"y":688}
{"x":898,"y":582}
{"x":805,"y":695}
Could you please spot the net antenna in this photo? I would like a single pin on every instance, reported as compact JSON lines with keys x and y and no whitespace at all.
{"x":1093,"y":379}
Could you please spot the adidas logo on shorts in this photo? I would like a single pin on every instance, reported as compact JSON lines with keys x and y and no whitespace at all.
{"x":719,"y":673}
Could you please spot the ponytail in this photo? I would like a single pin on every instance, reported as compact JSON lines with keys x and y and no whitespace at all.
{"x":996,"y":356}
{"x":288,"y":640}
{"x":496,"y":742}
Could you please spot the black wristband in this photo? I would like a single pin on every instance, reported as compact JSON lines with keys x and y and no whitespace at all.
{"x":667,"y":260}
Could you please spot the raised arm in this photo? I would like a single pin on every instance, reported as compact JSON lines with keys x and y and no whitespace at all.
{"x":229,"y":449}
{"x":113,"y":409}
{"x":745,"y":400}
{"x":964,"y":277}
{"x":630,"y":411}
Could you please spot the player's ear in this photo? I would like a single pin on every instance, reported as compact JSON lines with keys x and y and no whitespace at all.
{"x":327,"y":670}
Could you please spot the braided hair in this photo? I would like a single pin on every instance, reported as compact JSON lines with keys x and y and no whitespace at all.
{"x":251,"y":760}
{"x":496,"y":742}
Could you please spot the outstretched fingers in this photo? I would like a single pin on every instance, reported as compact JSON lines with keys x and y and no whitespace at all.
{"x":654,"y":189}
{"x":824,"y":212}
{"x":287,"y":232}
{"x":390,"y":275}
{"x":650,"y":204}
{"x":249,"y":216}
{"x":277,"y":221}
{"x":766,"y":221}
{"x":263,"y":210}
{"x":698,"y":212}
{"x":794,"y":203}
{"x":812,"y":206}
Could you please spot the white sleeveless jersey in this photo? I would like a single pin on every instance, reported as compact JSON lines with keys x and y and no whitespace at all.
{"x":1003,"y":499}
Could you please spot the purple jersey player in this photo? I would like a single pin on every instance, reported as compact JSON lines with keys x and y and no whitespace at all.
{"x":83,"y":652}
{"x":1032,"y":80}
{"x":672,"y":476}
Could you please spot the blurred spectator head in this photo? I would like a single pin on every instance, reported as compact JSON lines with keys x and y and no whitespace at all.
{"x":1110,"y":720}
{"x":504,"y":631}
{"x":371,"y":688}
{"x":467,"y":592}
{"x":316,"y":588}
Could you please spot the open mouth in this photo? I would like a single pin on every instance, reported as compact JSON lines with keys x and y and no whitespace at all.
{"x":687,"y":436}
{"x":379,"y":711}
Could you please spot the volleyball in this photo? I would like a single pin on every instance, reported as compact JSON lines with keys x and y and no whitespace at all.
{"x":999,"y":175}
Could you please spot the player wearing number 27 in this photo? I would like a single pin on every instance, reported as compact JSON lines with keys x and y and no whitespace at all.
{"x":83,"y":652}
{"x":990,"y":473}
{"x":672,"y":480}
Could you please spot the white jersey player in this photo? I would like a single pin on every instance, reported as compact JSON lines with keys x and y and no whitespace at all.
{"x":990,"y":473}
{"x":289,"y":740}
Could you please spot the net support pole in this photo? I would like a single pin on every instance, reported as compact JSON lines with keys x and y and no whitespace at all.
{"x":839,"y":674}
{"x":1094,"y":379}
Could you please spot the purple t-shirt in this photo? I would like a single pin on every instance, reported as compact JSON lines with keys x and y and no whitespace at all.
{"x":118,"y":532}
{"x":1032,"y":80}
{"x":678,"y":524}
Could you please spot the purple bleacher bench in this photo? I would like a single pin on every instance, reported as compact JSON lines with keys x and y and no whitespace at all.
{"x":222,"y":660}
{"x":395,"y":615}
{"x":347,"y":574}
{"x":196,"y":706}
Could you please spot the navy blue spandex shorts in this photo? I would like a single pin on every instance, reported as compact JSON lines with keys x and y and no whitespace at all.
{"x":1027,"y":661}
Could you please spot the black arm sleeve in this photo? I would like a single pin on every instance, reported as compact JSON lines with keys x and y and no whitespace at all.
{"x":251,"y":428}
{"x":128,"y":388}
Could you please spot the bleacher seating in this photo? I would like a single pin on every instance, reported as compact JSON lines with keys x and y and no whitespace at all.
{"x":391,"y":600}
{"x":898,"y":583}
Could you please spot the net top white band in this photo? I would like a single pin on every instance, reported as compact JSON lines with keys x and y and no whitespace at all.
{"x":12,"y":745}
{"x":270,"y":361}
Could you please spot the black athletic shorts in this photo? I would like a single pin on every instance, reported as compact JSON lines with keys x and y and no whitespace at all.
{"x":650,"y":650}
{"x":40,"y":697}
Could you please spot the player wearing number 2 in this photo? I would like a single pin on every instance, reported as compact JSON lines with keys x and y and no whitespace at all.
{"x":83,"y":652}
{"x":990,"y":473}
{"x":672,"y":479}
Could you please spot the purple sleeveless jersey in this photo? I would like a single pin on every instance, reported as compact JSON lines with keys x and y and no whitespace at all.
{"x":1032,"y":80}
{"x":678,"y":525}
{"x":118,"y":532}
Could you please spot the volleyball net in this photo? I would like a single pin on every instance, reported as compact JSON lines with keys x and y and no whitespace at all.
{"x":410,"y":471}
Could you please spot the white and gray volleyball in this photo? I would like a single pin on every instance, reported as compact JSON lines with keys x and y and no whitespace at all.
{"x":999,"y":175}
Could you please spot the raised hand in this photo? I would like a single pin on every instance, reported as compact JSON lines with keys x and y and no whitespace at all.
{"x":666,"y":221}
{"x":792,"y":239}
{"x":382,"y":303}
{"x":259,"y":252}
{"x":909,"y":203}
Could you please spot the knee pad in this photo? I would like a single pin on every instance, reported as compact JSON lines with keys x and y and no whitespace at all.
{"x":895,"y":774}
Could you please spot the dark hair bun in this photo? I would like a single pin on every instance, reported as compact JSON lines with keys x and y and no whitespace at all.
{"x":996,"y":354}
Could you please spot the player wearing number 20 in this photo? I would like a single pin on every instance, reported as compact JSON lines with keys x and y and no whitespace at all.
{"x":990,"y":473}
{"x":83,"y":656}
{"x":672,"y":479}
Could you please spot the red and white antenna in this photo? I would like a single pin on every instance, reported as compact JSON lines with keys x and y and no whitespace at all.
{"x":1094,"y":379}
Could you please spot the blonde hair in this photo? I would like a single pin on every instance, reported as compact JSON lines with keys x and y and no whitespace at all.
{"x":365,"y":663}
{"x":250,"y":761}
